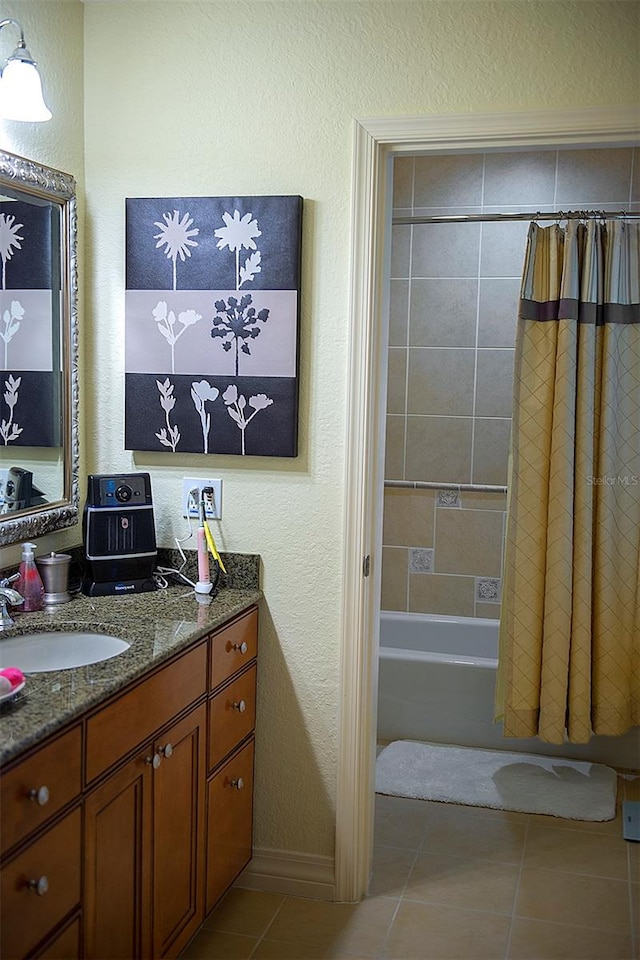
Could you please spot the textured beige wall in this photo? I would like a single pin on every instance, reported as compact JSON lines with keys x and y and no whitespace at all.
{"x":54,"y":35}
{"x":246,"y":98}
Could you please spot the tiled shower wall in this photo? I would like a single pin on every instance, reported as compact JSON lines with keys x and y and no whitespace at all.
{"x":453,"y":305}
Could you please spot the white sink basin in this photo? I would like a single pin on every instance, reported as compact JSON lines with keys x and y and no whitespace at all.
{"x":40,"y":652}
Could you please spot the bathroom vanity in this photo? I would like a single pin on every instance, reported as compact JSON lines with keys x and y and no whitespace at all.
{"x":126,"y":785}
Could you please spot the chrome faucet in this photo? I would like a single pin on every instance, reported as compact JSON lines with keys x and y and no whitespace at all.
{"x":8,"y":595}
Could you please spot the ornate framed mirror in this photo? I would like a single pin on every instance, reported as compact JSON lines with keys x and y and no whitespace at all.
{"x":39,"y":454}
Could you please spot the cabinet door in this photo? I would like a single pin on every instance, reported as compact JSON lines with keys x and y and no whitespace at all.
{"x":229,"y":821}
{"x":118,"y":824}
{"x":178,"y":810}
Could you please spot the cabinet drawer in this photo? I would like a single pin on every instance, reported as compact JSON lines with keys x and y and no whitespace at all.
{"x":233,"y":647}
{"x":232,"y":716}
{"x":135,"y":716}
{"x":229,"y":820}
{"x":28,"y":916}
{"x":55,"y":772}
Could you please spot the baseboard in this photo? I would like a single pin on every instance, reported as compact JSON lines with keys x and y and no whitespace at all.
{"x":289,"y":873}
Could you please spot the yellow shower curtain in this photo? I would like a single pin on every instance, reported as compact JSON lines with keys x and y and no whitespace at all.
{"x":569,"y":661}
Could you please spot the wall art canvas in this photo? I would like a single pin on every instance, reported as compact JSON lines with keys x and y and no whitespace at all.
{"x":212,"y":310}
{"x":30,"y":381}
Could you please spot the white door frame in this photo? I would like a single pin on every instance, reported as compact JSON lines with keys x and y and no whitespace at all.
{"x":376,"y":141}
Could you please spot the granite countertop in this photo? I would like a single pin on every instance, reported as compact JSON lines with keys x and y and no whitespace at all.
{"x":156,"y":625}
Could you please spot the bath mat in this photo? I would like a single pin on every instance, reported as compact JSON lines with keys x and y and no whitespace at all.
{"x":494,"y":778}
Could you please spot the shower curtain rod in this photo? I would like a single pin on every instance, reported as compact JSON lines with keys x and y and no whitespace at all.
{"x":435,"y":485}
{"x":540,"y":215}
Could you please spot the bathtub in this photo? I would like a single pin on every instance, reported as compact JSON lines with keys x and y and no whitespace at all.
{"x":437,"y":680}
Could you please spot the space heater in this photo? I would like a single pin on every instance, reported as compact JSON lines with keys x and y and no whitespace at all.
{"x":119,"y":535}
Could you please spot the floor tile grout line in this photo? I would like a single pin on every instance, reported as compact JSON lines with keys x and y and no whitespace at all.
{"x":507,"y":948}
{"x":402,"y":893}
{"x":268,"y":926}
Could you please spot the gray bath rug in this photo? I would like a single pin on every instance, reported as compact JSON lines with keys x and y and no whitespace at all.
{"x":494,"y":778}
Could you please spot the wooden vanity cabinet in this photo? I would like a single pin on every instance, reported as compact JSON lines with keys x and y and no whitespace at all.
{"x":150,"y":811}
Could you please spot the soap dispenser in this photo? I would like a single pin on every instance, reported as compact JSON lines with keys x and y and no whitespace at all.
{"x":29,"y":584}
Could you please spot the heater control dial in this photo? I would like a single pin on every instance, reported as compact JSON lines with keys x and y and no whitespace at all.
{"x":124,"y":493}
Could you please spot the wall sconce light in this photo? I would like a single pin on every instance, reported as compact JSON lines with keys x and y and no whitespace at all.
{"x":20,"y":85}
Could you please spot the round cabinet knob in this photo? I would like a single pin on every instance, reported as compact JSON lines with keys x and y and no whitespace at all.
{"x":154,"y":761}
{"x":240,"y":706}
{"x":241,"y":647}
{"x":40,"y":886}
{"x":40,"y":796}
{"x":237,"y":783}
{"x":166,"y":751}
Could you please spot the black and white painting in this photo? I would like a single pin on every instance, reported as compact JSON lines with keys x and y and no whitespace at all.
{"x":212,"y":320}
{"x":30,"y":379}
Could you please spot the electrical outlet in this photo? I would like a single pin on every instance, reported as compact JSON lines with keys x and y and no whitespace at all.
{"x":191,"y":509}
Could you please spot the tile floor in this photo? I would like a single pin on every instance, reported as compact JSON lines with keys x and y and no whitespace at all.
{"x":456,"y":883}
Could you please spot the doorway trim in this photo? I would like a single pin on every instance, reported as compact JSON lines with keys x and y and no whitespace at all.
{"x":375,"y":142}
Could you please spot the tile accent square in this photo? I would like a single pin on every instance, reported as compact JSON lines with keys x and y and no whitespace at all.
{"x":448,"y":498}
{"x":420,"y":560}
{"x":487,"y":590}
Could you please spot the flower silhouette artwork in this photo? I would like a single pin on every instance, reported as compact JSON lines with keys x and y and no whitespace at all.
{"x":237,"y":322}
{"x":10,"y":241}
{"x":200,"y":393}
{"x":237,"y":407}
{"x":11,"y":319}
{"x":9,"y":430}
{"x":166,"y":325}
{"x":212,"y":342}
{"x":176,"y":238}
{"x":169,"y":436}
{"x":240,"y":233}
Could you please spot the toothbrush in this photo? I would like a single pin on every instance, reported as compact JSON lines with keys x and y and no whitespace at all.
{"x":204,"y":584}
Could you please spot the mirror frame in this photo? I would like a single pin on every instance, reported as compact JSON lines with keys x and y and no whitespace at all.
{"x":36,"y":180}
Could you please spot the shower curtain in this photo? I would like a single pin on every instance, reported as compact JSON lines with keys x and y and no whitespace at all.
{"x":569,"y":661}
